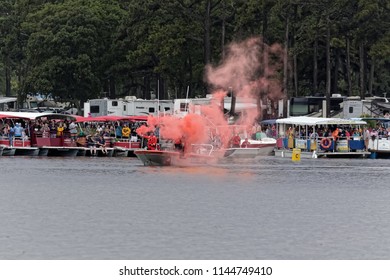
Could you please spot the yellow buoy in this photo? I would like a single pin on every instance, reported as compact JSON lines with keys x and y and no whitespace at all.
{"x":296,"y":155}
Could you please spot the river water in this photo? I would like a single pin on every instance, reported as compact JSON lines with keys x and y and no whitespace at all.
{"x":268,"y":208}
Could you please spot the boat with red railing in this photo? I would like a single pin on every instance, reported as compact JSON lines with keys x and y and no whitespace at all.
{"x":41,"y":142}
{"x":120,"y":144}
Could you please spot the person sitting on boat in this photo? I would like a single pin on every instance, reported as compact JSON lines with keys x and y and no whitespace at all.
{"x":245,"y":143}
{"x":101,"y":143}
{"x":152,"y":141}
{"x":91,"y":144}
{"x":81,"y":140}
{"x":236,"y":141}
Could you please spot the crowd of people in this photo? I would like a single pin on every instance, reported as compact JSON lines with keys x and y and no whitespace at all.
{"x":93,"y":135}
{"x":336,"y":133}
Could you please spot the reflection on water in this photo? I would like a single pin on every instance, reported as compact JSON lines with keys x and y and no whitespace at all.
{"x":268,"y":208}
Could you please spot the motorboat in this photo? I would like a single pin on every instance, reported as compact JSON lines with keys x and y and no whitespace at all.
{"x":200,"y":154}
{"x":254,"y":148}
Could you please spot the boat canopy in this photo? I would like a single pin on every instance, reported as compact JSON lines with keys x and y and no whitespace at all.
{"x":311,"y":121}
{"x":33,"y":116}
{"x":373,"y":119}
{"x":7,"y":99}
{"x":2,"y":116}
{"x":268,"y":122}
{"x":111,"y":118}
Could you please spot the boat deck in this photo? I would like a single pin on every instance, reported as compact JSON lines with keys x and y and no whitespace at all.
{"x":344,"y":154}
{"x":322,"y":154}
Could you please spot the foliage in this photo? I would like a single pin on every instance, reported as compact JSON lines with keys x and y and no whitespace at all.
{"x":76,"y":50}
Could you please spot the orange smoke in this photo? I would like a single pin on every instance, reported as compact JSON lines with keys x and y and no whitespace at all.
{"x":251,"y":71}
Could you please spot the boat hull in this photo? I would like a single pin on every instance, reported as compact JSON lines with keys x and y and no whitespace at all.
{"x":62,"y":151}
{"x":172,"y":158}
{"x":264,"y":150}
{"x":26,"y":151}
{"x":7,"y":151}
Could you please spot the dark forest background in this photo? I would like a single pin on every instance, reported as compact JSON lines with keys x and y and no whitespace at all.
{"x":74,"y":50}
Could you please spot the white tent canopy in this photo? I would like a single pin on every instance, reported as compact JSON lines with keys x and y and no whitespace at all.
{"x":33,"y":116}
{"x":311,"y":121}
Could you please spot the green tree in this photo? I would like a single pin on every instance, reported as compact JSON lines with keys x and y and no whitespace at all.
{"x":68,"y":49}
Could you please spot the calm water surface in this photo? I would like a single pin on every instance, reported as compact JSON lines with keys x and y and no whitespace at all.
{"x":270,"y":208}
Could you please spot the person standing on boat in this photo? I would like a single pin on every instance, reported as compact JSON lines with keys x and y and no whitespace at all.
{"x":11,"y":133}
{"x":179,"y":144}
{"x":118,"y":131}
{"x":366,"y":137}
{"x":73,"y":131}
{"x":152,"y":141}
{"x":18,"y":129}
{"x":45,"y":129}
{"x":335,"y":135}
{"x":60,"y":130}
{"x":236,"y":140}
{"x":126,"y":131}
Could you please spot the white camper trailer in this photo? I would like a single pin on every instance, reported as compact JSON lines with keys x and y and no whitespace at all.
{"x":127,"y":107}
{"x":142,"y":107}
{"x":104,"y":107}
{"x":8,"y":103}
{"x":184,"y":106}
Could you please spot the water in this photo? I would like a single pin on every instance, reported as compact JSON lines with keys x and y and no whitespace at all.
{"x":271,"y":208}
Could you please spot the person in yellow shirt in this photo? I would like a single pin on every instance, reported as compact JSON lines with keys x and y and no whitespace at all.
{"x":126,"y":131}
{"x":60,"y":130}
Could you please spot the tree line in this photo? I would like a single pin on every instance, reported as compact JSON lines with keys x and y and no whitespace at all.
{"x":75,"y":50}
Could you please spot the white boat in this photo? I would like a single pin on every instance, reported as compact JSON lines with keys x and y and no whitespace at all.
{"x":263,"y":147}
{"x":379,"y":144}
{"x":295,"y":134}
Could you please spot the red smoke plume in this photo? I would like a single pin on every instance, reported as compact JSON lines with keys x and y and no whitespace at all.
{"x":250,"y":70}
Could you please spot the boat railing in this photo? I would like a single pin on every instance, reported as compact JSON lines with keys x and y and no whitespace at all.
{"x":318,"y":144}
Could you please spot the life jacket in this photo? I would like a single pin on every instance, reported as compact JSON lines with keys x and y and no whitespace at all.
{"x":236,"y":140}
{"x":152,"y":143}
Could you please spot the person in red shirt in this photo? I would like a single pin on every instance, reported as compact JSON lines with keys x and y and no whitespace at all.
{"x":152,"y":141}
{"x":245,"y":144}
{"x":236,"y":140}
